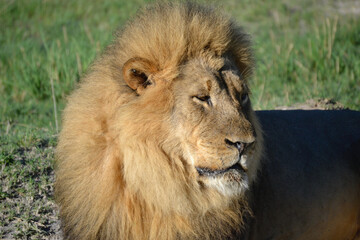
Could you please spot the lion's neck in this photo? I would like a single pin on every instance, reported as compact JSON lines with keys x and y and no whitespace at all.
{"x":139,"y":220}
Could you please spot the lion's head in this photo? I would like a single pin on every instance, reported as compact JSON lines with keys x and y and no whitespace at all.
{"x":160,"y":140}
{"x":215,"y":124}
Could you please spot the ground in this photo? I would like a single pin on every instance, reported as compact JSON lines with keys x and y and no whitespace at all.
{"x":27,"y":205}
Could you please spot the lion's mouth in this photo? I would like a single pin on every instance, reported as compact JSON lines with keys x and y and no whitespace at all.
{"x":209,"y":172}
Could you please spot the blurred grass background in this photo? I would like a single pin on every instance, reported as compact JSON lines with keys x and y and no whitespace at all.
{"x":304,"y":49}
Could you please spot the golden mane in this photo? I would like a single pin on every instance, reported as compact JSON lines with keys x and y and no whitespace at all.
{"x":169,"y":34}
{"x":115,"y":178}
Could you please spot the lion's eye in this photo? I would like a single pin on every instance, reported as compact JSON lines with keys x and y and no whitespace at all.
{"x":244,"y":98}
{"x":203,"y":98}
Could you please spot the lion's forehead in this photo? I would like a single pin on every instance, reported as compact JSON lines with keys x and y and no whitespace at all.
{"x":216,"y":74}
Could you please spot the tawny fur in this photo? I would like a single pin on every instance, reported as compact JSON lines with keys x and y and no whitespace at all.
{"x":121,"y":171}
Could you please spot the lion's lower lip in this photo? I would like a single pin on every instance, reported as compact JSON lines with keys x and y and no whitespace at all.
{"x":209,"y":172}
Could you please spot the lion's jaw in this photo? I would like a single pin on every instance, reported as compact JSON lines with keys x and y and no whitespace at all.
{"x":217,"y":126}
{"x":230,"y":183}
{"x":234,"y":181}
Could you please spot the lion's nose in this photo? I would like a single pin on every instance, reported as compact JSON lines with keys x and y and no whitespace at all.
{"x":240,"y":146}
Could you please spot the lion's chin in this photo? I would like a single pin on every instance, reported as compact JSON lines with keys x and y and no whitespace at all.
{"x":233,"y":182}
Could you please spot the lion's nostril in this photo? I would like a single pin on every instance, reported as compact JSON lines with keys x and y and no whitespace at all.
{"x":240,"y":146}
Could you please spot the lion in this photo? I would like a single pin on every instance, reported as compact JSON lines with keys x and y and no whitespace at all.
{"x":159,"y":140}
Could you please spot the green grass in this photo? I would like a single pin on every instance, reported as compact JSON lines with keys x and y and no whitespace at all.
{"x":322,"y":63}
{"x":304,"y":50}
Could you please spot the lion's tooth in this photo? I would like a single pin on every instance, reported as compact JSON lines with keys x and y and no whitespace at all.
{"x":243,"y":162}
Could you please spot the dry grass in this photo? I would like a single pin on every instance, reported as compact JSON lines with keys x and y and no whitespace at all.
{"x":26,"y":183}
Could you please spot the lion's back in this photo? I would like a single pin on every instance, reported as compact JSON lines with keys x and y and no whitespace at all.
{"x":310,"y":175}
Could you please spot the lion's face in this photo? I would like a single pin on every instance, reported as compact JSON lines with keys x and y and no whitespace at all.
{"x":210,"y":115}
{"x":213,"y":119}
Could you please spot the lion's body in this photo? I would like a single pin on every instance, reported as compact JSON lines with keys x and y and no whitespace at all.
{"x":309,"y":185}
{"x":159,"y":140}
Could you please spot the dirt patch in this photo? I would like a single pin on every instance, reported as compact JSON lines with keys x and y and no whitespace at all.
{"x":27,"y":205}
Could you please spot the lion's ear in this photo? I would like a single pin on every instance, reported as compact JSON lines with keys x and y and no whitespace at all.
{"x":137,"y":73}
